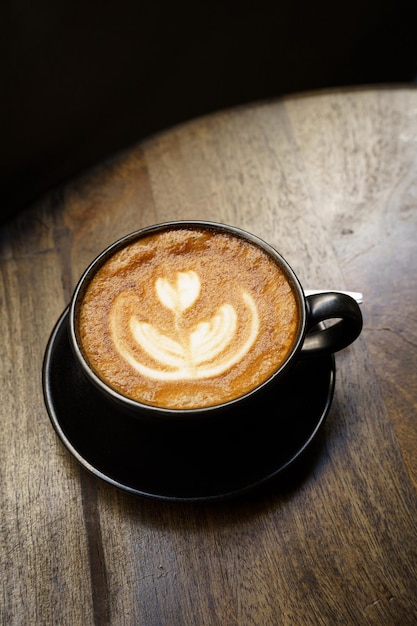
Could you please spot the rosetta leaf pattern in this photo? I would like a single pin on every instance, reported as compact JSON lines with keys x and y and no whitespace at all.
{"x":203,"y":351}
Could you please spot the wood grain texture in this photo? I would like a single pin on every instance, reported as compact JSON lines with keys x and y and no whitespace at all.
{"x":330,"y":179}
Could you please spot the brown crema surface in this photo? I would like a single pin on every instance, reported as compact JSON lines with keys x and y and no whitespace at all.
{"x":187,"y":318}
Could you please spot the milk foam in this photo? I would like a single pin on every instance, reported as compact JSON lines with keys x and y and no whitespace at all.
{"x":187,"y":318}
{"x":182,"y":295}
{"x":210,"y":348}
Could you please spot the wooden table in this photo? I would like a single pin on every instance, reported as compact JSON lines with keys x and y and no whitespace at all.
{"x":330,"y":179}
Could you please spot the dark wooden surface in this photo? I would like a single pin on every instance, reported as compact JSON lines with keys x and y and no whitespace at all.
{"x":79,"y":81}
{"x":330,"y":179}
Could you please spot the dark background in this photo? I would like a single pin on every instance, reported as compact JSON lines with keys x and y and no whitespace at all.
{"x":80,"y":80}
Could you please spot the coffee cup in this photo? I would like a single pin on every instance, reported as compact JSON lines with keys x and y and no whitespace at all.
{"x":191,"y":320}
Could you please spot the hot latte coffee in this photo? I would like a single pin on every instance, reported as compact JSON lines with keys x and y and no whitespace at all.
{"x":187,"y":317}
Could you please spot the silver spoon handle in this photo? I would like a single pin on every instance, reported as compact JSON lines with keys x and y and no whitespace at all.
{"x":356,"y":295}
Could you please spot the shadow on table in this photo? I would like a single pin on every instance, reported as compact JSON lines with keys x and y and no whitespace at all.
{"x":80,"y":81}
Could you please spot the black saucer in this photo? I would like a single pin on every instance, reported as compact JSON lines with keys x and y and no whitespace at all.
{"x":171,"y":467}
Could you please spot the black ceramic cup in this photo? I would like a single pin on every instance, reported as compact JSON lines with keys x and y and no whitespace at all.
{"x":312,"y":338}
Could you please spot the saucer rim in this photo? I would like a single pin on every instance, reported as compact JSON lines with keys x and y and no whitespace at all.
{"x":153,"y":495}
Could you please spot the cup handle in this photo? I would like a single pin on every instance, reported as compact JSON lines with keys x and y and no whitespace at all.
{"x":331,"y":306}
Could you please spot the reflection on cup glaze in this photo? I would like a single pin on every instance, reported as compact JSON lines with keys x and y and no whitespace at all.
{"x":203,"y":351}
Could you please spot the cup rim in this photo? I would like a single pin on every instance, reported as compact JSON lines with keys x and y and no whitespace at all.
{"x":137,"y":406}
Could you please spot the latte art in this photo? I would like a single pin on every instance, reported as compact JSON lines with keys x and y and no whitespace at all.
{"x":209,"y":349}
{"x":187,"y":318}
